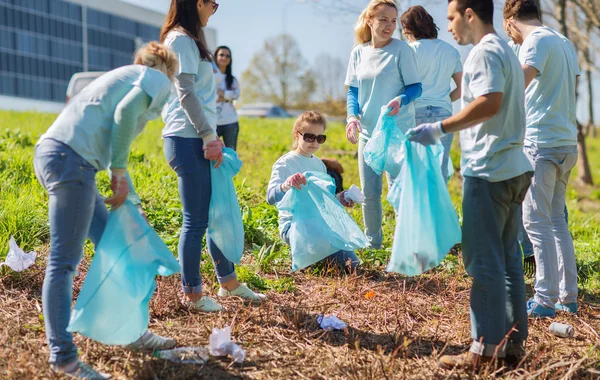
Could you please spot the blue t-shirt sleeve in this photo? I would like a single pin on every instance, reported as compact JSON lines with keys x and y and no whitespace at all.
{"x":351,"y":78}
{"x":352,"y":101}
{"x":187,"y":54}
{"x":458,"y":66}
{"x":486,"y":75}
{"x":407,"y":64}
{"x":158,"y":87}
{"x":535,"y":52}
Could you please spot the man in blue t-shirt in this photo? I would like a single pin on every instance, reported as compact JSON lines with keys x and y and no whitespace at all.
{"x":496,"y":175}
{"x":551,"y":68}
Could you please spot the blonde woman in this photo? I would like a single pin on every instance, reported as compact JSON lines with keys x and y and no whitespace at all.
{"x":92,"y":133}
{"x":382,"y":71}
{"x":191,"y":143}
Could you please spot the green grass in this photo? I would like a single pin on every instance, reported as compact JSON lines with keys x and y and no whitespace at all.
{"x":23,"y":202}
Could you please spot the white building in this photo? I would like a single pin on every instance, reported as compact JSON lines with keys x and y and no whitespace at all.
{"x":44,"y":42}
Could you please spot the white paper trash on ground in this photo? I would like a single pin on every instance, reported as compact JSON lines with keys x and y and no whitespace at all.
{"x":331,"y":322}
{"x":16,"y":259}
{"x":220,"y":344}
{"x":354,"y":194}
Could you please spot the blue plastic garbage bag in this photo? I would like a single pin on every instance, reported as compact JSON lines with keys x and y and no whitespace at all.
{"x":225,"y":226}
{"x":112,"y":306}
{"x":384,"y":149}
{"x":320,"y":226}
{"x":427,"y":226}
{"x":394,"y":193}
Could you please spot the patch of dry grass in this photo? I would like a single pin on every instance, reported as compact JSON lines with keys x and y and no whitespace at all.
{"x":398,"y":333}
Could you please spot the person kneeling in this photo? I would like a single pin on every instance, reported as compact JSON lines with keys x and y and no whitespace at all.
{"x":288,"y":172}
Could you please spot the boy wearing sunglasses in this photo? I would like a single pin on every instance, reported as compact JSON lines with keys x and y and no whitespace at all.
{"x":308,"y":132}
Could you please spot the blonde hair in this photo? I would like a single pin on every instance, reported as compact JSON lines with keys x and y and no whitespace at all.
{"x":362,"y":30}
{"x":307,"y":117}
{"x":159,"y":57}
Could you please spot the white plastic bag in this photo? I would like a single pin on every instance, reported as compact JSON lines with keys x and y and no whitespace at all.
{"x":354,"y":194}
{"x":220,"y":344}
{"x":16,"y":259}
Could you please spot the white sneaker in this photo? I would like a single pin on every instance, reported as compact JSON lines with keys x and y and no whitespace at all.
{"x":151,"y":342}
{"x":205,"y":303}
{"x":244,"y":292}
{"x":81,"y":370}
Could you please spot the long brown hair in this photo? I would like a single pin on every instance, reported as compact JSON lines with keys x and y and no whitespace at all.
{"x":418,"y":22}
{"x":183,"y":15}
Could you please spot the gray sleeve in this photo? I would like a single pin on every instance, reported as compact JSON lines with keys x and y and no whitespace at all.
{"x":274,"y":194}
{"x":184,"y":84}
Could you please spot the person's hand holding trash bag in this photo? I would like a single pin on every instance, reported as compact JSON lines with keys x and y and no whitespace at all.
{"x":426,"y":134}
{"x":295,"y":180}
{"x":394,"y":106}
{"x":353,"y":129}
{"x":213,"y":151}
{"x":120,"y":188}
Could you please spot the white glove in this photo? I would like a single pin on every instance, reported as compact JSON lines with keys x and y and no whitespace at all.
{"x":426,"y":134}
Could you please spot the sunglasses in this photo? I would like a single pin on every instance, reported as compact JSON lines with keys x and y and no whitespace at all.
{"x":309,"y":137}
{"x":215,"y":5}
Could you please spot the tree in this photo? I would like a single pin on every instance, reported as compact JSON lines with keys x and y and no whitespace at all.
{"x":330,"y":73}
{"x":278,"y":74}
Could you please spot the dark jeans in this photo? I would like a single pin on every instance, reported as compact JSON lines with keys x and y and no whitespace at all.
{"x":229,"y":132}
{"x":491,"y":219}
{"x":186,"y":157}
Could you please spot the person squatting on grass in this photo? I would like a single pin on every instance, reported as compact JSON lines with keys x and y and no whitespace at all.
{"x":191,"y":143}
{"x":437,"y":61}
{"x":288,"y":172}
{"x":496,"y":175}
{"x":551,"y":68}
{"x":93,"y":132}
{"x":382,"y":71}
{"x":228,"y":90}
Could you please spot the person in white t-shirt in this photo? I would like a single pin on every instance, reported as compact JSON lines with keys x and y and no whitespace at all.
{"x":551,"y":68}
{"x":382,"y":71}
{"x":287,"y":172}
{"x":438,"y":64}
{"x":228,"y":90}
{"x":496,"y":175}
{"x":191,"y":143}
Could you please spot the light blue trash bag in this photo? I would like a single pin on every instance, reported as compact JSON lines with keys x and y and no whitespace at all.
{"x":427,"y":226}
{"x":384,"y":149}
{"x":112,"y":306}
{"x":225,"y":226}
{"x":320,"y":226}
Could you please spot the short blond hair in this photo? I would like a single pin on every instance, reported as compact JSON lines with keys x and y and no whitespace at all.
{"x":362,"y":30}
{"x":305,"y":118}
{"x":158,"y":56}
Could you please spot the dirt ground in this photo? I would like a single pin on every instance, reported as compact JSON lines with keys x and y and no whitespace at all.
{"x":398,"y":327}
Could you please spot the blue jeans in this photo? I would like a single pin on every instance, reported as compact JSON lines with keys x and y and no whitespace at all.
{"x":229,"y":132}
{"x":491,"y":213}
{"x":339,"y":258}
{"x":432,"y":114}
{"x":372,"y":187}
{"x":524,"y":241}
{"x":544,"y":221}
{"x":186,"y":157}
{"x":76,"y":211}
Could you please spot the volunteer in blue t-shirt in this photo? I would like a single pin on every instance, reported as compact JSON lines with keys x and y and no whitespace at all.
{"x":191,"y":143}
{"x":382,"y":71}
{"x":438,"y":63}
{"x":93,"y":133}
{"x":549,"y":61}
{"x":496,"y":175}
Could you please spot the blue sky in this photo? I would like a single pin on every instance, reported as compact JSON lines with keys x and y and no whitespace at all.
{"x":243,"y":25}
